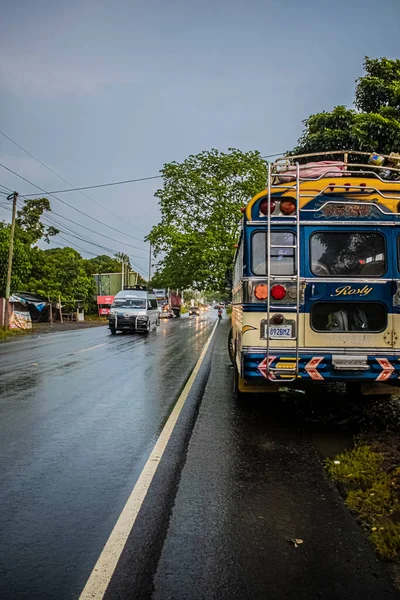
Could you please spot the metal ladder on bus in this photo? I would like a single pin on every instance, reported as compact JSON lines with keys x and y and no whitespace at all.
{"x":272,"y":372}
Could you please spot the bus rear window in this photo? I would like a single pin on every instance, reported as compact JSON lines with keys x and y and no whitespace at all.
{"x":282,"y":257}
{"x":347,"y":254}
{"x":361,"y":317}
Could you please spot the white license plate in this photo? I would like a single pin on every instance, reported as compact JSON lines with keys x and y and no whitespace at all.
{"x":280,"y":331}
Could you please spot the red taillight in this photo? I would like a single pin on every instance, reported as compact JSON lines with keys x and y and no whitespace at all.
{"x":278,"y":292}
{"x":264,"y":207}
{"x":287,"y":207}
{"x":261,"y":291}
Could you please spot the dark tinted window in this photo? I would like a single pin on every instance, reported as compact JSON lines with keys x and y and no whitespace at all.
{"x":362,"y":317}
{"x":282,"y":258}
{"x":341,"y":253}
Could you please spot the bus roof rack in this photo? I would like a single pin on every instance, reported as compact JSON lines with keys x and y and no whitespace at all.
{"x":350,"y":159}
{"x":136,"y":287}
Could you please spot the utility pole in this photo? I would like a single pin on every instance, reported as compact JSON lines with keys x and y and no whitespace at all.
{"x":13,"y":197}
{"x":122,"y":273}
{"x":150,"y":263}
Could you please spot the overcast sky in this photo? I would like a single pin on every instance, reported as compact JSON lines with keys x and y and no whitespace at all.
{"x":108,"y":90}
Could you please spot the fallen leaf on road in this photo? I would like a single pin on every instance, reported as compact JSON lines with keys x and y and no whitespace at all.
{"x":296,"y":542}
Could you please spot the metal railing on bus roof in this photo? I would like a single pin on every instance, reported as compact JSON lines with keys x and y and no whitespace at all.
{"x":350,"y":168}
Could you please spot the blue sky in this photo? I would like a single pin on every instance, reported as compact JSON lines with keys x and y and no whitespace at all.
{"x":102,"y":91}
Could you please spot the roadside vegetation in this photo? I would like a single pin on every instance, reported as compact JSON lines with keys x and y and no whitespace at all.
{"x":369,"y":479}
{"x":11,"y":333}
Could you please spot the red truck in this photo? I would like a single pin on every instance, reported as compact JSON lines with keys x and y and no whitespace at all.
{"x":175,"y":303}
{"x":170,"y":299}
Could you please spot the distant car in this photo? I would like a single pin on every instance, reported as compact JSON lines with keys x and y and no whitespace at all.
{"x":166,"y":312}
{"x":194,"y":310}
{"x":216,"y":306}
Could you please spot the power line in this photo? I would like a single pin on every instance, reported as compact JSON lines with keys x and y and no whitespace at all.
{"x":102,"y":185}
{"x":49,"y":219}
{"x":66,"y":181}
{"x":95,"y":232}
{"x":66,"y":204}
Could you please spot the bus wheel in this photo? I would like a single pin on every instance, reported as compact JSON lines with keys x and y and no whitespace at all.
{"x":231,"y":346}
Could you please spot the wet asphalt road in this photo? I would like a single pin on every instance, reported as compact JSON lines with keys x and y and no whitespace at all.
{"x":79,"y":415}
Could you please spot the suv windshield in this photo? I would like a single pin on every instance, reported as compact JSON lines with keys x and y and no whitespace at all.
{"x":129,"y":303}
{"x":338,"y":253}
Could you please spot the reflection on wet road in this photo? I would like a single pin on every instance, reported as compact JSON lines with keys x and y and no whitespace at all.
{"x":79,"y":414}
{"x":238,"y":481}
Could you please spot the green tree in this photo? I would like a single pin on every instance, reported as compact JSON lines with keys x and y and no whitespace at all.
{"x":374,"y":124}
{"x":102,"y":264}
{"x":61,"y":271}
{"x":21,"y":261}
{"x":29,"y":226}
{"x":200,"y":213}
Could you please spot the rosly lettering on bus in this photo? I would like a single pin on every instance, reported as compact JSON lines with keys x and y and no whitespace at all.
{"x":347,"y":290}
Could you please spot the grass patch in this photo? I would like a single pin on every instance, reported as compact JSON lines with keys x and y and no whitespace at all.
{"x":99,"y":318}
{"x":360,"y":465}
{"x":229,"y":311}
{"x":184,"y":309}
{"x":6,"y":334}
{"x":372,"y":493}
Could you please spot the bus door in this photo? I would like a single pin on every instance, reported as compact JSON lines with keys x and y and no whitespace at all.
{"x":349,"y":291}
{"x":395,"y":231}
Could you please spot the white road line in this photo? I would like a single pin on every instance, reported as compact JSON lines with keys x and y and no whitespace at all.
{"x":103,"y":570}
{"x":90,"y":348}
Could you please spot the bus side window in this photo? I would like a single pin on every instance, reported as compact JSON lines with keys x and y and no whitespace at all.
{"x":238,"y":272}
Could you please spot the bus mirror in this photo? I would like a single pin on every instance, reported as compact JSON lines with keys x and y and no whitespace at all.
{"x":228,"y":278}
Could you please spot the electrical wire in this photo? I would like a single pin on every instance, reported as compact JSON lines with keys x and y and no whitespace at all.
{"x":102,"y":185}
{"x":68,"y":182}
{"x":69,"y":231}
{"x":66,"y":204}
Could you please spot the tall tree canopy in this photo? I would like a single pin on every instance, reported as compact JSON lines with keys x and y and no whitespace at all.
{"x":200,"y":212}
{"x":29,"y":225}
{"x":21,"y":261}
{"x":102,"y":264}
{"x":61,"y":271}
{"x":374,"y":124}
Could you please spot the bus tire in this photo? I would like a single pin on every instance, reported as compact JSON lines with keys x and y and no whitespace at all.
{"x":231,"y":347}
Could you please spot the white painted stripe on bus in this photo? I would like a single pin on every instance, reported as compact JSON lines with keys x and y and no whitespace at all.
{"x":103,"y":570}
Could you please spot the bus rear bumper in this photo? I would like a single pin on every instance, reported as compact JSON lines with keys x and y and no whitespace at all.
{"x":321,"y":366}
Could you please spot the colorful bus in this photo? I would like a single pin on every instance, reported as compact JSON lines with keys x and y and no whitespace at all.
{"x":316,"y":278}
